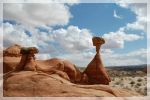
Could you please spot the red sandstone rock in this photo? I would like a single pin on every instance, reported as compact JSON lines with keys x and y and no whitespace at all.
{"x":10,"y":63}
{"x":33,"y":84}
{"x":11,"y":56}
{"x":61,"y":65}
{"x":12,"y":51}
{"x":27,"y":61}
{"x":53,"y":78}
{"x":95,"y":70}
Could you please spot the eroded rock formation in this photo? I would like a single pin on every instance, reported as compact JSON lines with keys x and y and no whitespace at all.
{"x":12,"y":51}
{"x":95,"y":70}
{"x":33,"y":84}
{"x":57,"y":77}
{"x":11,"y":56}
{"x":27,"y":61}
{"x":63,"y":68}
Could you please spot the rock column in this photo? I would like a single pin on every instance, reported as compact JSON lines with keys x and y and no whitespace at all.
{"x":27,"y":61}
{"x":95,"y":70}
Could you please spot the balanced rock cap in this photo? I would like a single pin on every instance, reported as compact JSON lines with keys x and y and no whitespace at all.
{"x":29,"y":50}
{"x":98,"y":41}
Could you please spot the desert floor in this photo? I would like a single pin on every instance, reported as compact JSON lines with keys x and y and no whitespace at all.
{"x":135,"y":79}
{"x":138,"y":84}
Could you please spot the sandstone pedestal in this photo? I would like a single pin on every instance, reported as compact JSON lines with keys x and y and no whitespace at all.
{"x":95,"y":70}
{"x":28,"y":59}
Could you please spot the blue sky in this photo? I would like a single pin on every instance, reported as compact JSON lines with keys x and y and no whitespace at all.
{"x":99,"y":19}
{"x":66,"y":32}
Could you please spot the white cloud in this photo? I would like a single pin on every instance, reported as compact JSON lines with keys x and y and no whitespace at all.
{"x":109,"y":57}
{"x":140,"y":9}
{"x":80,"y":59}
{"x":71,"y":43}
{"x":141,"y":19}
{"x":116,"y":16}
{"x":57,"y":41}
{"x":41,"y":1}
{"x":130,"y":58}
{"x":42,"y":56}
{"x":106,"y":51}
{"x":15,"y":34}
{"x":1,"y":11}
{"x":118,"y":38}
{"x":37,"y":14}
{"x":73,"y":39}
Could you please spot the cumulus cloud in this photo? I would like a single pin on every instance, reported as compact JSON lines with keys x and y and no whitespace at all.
{"x":140,"y":9}
{"x":109,"y":57}
{"x":58,"y":41}
{"x":17,"y":34}
{"x":70,"y":43}
{"x":1,"y":11}
{"x":116,"y":16}
{"x":14,"y":34}
{"x":73,"y":39}
{"x":37,"y":14}
{"x":130,"y":58}
{"x":80,"y":59}
{"x":42,"y":56}
{"x":41,"y":1}
{"x":118,"y":38}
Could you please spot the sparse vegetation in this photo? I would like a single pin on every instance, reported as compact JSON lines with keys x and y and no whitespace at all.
{"x":134,"y":79}
{"x":132,"y":82}
{"x":139,"y":80}
{"x":138,"y":84}
{"x":130,"y":79}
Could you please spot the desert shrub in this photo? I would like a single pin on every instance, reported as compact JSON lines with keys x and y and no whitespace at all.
{"x":117,"y":83}
{"x":113,"y":79}
{"x":121,"y":79}
{"x":139,"y":80}
{"x":132,"y":82}
{"x":138,"y":84}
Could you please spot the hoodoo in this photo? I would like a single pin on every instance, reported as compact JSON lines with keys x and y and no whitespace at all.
{"x":28,"y":59}
{"x":95,"y":70}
